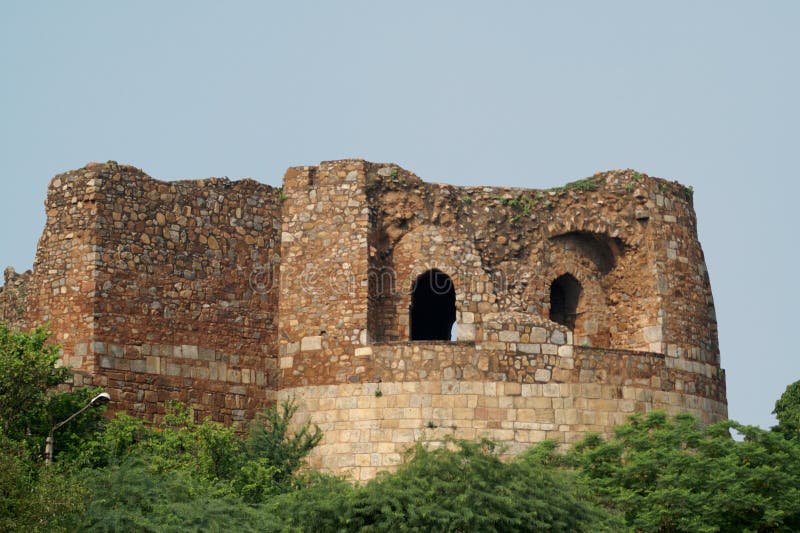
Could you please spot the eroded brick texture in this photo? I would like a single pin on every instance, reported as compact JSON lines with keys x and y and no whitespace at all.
{"x":574,"y":307}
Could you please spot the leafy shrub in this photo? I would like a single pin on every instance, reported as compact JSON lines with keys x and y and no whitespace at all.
{"x":33,"y":497}
{"x":134,"y":496}
{"x":676,"y":475}
{"x":271,"y":444}
{"x":469,"y":488}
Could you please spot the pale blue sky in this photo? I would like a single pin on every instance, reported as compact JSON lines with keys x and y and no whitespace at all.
{"x":504,"y":93}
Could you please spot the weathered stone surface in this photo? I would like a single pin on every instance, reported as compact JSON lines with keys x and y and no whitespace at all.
{"x":574,"y":306}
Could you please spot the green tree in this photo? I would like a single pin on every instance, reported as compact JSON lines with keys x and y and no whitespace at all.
{"x":275,"y":453}
{"x":262,"y":465}
{"x":318,"y":502}
{"x":29,"y":406}
{"x":133,"y":496}
{"x":674,"y":474}
{"x":27,"y":370}
{"x":468,"y":488}
{"x":787,"y":411}
{"x":34,"y":497}
{"x":185,"y":476}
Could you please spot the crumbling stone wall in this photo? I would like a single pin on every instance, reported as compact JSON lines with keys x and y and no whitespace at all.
{"x":14,"y":298}
{"x":178,"y":292}
{"x":598,"y":230}
{"x":159,"y":291}
{"x":62,"y":283}
{"x":231,"y":295}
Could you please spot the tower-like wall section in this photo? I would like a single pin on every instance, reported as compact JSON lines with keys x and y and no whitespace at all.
{"x":61,"y":286}
{"x":183,"y":291}
{"x":512,"y":374}
{"x":324,"y":268}
{"x":162,"y":291}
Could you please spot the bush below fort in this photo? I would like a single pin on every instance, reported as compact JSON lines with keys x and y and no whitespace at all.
{"x":656,"y":473}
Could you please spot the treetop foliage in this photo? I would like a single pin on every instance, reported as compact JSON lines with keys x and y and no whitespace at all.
{"x":673,"y":474}
{"x":27,"y":369}
{"x":787,"y":411}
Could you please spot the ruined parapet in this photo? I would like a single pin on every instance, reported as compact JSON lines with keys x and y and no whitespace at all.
{"x":629,"y":240}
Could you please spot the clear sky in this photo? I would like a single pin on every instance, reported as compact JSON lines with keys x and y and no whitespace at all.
{"x":504,"y":93}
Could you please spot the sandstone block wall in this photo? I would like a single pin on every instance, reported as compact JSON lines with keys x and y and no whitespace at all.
{"x":573,"y":306}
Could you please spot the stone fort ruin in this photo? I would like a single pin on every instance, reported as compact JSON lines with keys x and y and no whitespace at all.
{"x":391,"y":309}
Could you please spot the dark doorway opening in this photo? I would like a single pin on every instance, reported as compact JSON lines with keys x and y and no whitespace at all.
{"x":565,"y":292}
{"x":433,"y":307}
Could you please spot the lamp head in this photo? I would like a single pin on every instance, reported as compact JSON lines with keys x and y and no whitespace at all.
{"x":101,"y":399}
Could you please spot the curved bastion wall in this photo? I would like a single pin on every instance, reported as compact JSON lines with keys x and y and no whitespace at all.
{"x":393,"y":310}
{"x":429,"y":391}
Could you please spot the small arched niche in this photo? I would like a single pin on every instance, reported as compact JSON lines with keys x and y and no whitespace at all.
{"x":565,"y":293}
{"x":433,"y":307}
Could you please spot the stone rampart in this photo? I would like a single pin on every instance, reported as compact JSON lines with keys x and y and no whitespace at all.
{"x":392,"y":309}
{"x":437,"y":391}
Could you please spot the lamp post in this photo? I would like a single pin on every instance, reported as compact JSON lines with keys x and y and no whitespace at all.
{"x":101,"y":399}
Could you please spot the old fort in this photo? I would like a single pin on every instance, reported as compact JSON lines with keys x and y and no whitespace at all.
{"x":392,"y":310}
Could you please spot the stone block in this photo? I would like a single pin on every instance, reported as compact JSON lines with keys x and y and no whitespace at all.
{"x":509,"y":336}
{"x":311,"y":343}
{"x":206,"y":354}
{"x":529,"y":348}
{"x":591,"y":390}
{"x":552,"y":390}
{"x":549,"y":349}
{"x":538,"y":335}
{"x":653,"y":334}
{"x":567,"y":363}
{"x":465,"y":332}
{"x":292,"y":348}
{"x":189,"y":351}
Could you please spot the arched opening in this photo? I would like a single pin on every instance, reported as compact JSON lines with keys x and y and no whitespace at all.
{"x":433,"y":307}
{"x":565,"y":291}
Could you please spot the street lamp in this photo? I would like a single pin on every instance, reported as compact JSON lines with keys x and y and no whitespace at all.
{"x":101,"y":399}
